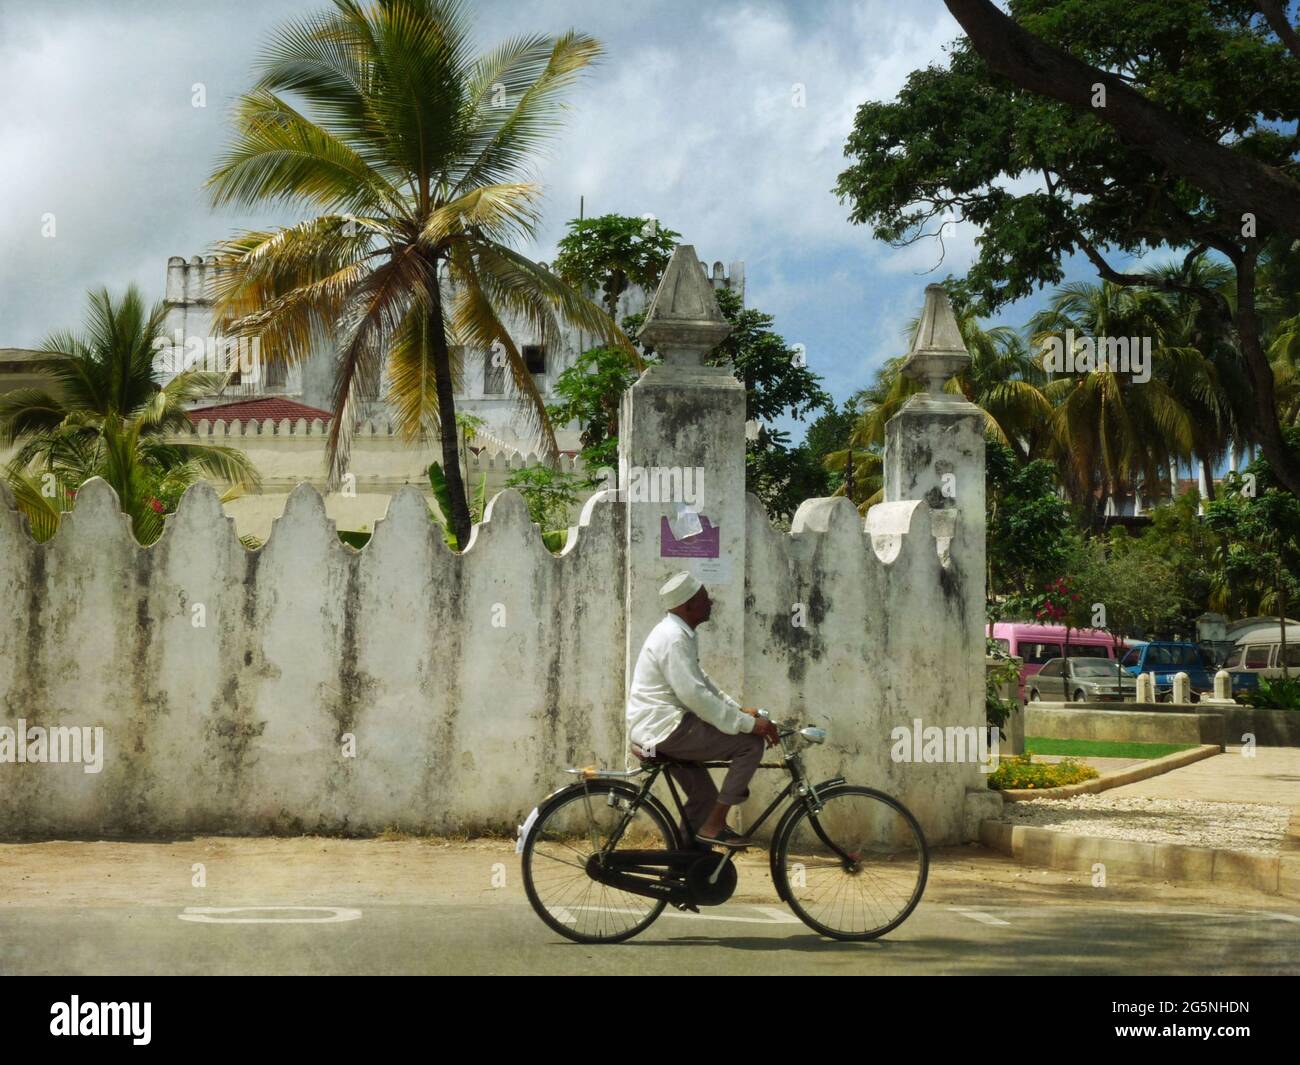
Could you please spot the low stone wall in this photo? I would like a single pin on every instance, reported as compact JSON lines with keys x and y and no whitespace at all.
{"x":1270,"y":728}
{"x":1080,"y":722}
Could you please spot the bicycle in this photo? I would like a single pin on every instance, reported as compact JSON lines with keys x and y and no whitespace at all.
{"x":837,"y":849}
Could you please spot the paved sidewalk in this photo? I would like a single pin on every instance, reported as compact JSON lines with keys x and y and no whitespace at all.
{"x":1271,"y":777}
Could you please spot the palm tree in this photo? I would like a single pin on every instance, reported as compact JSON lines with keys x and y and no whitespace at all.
{"x":412,"y":154}
{"x":1208,"y":373}
{"x":1113,"y":434}
{"x":105,"y":414}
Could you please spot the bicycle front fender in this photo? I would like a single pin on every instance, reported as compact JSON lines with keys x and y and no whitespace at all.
{"x":790,"y":811}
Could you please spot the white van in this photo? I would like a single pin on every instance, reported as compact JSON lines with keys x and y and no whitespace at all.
{"x":1260,"y":651}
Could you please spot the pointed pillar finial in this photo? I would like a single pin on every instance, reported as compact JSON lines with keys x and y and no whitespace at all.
{"x":684,"y":323}
{"x":938,"y":351}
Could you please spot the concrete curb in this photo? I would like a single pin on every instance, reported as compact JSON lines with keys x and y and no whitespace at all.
{"x":1275,"y":875}
{"x":1153,"y":768}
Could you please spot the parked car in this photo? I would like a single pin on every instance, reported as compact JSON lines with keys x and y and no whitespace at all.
{"x":1258,"y":653}
{"x":1036,"y":644}
{"x":1082,"y":680}
{"x":1166,"y":659}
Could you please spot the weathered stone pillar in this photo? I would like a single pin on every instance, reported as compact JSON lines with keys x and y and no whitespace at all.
{"x":934,"y":446}
{"x":934,"y":450}
{"x":682,"y":471}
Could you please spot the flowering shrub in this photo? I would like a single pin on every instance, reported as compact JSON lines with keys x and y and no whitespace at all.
{"x":1021,"y":771}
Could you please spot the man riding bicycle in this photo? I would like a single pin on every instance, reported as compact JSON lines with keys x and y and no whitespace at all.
{"x":674,"y":709}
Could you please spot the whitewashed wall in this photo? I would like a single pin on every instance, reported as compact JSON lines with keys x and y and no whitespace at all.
{"x":468,"y":681}
{"x":465,"y":680}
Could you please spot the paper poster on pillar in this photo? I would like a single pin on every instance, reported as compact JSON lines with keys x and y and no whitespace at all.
{"x":695,"y":540}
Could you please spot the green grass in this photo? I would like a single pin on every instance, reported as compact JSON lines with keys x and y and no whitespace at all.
{"x":1102,"y":748}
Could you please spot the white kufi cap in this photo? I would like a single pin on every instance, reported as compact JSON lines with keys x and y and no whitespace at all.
{"x":678,"y":589}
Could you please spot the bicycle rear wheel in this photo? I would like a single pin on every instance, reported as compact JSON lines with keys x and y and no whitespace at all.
{"x":574,"y":825}
{"x":855,"y":870}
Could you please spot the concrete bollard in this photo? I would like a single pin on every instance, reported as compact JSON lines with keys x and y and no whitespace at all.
{"x":1182,"y":688}
{"x":1223,"y":686}
{"x":1145,"y":689}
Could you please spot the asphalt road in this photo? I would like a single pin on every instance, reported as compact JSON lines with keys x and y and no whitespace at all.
{"x":427,"y":906}
{"x":506,"y":938}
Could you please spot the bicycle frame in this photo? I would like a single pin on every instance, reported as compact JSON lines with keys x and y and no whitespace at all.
{"x":798,"y":785}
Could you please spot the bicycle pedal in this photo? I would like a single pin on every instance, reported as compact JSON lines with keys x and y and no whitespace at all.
{"x":684,"y":906}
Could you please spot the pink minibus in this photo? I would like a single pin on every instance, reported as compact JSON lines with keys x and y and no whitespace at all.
{"x":1035,"y":644}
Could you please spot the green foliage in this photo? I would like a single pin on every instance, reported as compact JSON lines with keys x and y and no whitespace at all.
{"x":442,"y":496}
{"x":777,"y":383}
{"x":1260,"y":525}
{"x":1043,"y":182}
{"x":830,"y":429}
{"x":1021,"y":771}
{"x":776,"y":378}
{"x":781,"y":475}
{"x":1274,"y":693}
{"x":106,"y":415}
{"x":551,"y":496}
{"x":1031,"y":538}
{"x":1138,"y":589}
{"x":590,"y":392}
{"x":1007,"y":671}
{"x":1181,"y":548}
{"x":611,"y":252}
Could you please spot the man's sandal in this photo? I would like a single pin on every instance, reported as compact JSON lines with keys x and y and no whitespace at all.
{"x":726,"y":838}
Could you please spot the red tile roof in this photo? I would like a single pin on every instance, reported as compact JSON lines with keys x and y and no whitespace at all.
{"x":276,"y":408}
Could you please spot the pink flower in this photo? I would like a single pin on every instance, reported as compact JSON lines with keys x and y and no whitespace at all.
{"x":158,"y":508}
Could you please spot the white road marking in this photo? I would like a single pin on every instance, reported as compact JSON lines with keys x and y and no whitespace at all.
{"x":772,"y":915}
{"x":779,"y":916}
{"x":977,"y":915}
{"x":207,"y":915}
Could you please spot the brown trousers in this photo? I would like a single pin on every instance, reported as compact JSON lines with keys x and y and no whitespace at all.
{"x":695,"y":740}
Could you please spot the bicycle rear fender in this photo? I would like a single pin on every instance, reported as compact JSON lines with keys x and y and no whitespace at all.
{"x":790,"y":811}
{"x":630,"y":790}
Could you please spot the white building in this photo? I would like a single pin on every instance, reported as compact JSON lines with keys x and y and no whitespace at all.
{"x":280,"y":415}
{"x":485,"y":390}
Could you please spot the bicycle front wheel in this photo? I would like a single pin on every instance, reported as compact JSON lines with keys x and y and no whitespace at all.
{"x":855,"y":870}
{"x":576,"y":824}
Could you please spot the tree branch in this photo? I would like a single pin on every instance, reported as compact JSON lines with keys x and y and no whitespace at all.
{"x":1275,"y":12}
{"x":1240,"y":182}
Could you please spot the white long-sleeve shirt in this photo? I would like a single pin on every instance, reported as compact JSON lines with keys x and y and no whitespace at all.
{"x":668,"y":681}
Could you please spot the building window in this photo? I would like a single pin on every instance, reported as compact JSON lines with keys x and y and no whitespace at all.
{"x":535,"y":358}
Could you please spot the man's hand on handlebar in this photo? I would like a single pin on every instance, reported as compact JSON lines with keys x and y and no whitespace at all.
{"x":763,"y":727}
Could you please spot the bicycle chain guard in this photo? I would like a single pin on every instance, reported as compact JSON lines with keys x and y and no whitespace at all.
{"x":704,"y":887}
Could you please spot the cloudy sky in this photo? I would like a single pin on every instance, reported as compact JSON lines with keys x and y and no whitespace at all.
{"x":691,"y":117}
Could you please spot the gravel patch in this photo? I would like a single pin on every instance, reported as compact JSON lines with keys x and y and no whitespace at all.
{"x":1251,"y":827}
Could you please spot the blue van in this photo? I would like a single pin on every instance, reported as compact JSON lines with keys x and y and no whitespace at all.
{"x":1167,"y":659}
